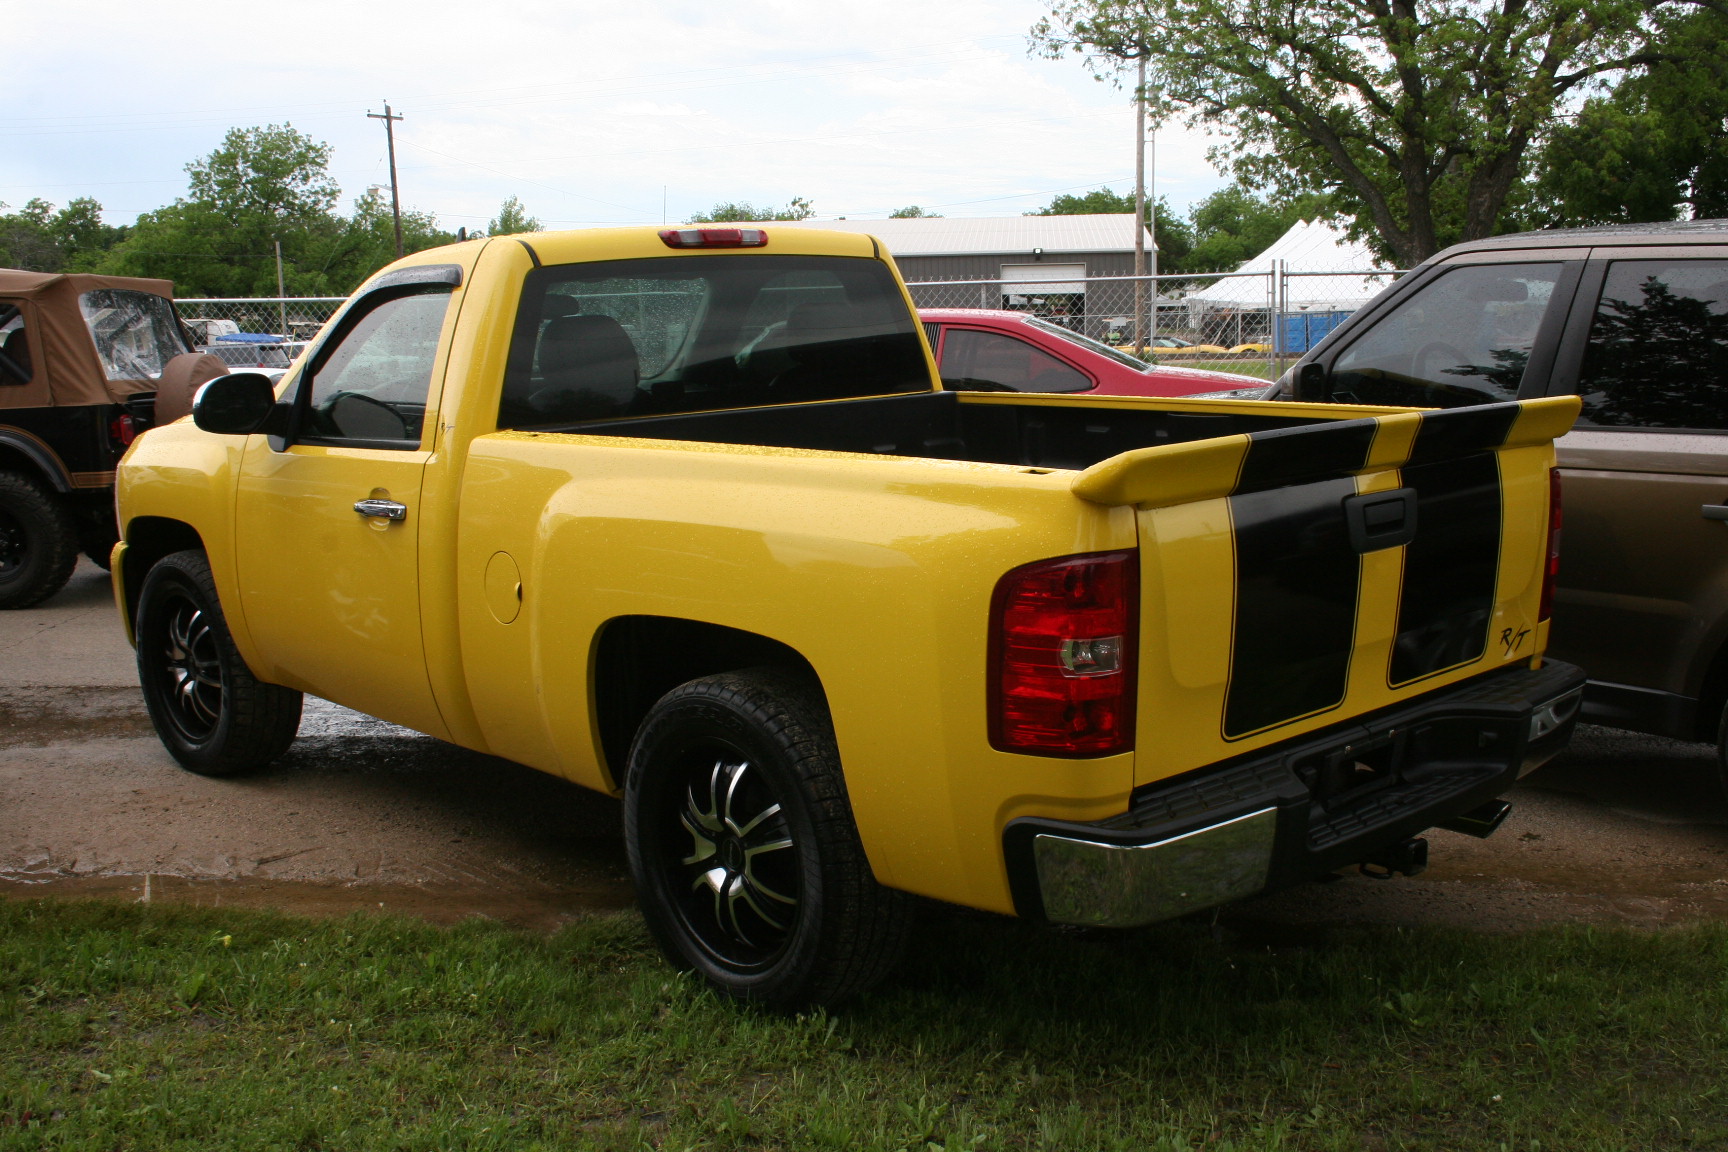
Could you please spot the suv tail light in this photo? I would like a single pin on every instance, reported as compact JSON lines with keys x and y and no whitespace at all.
{"x":122,"y":430}
{"x":1551,"y":574}
{"x":714,"y":237}
{"x":1062,"y":646}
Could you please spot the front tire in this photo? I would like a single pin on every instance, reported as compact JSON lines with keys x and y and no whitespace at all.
{"x":210,"y":712}
{"x":746,"y":859}
{"x":38,"y":542}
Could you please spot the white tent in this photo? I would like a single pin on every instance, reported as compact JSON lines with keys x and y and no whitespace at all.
{"x":1311,"y":246}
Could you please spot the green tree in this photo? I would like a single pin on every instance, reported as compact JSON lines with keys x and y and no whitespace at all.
{"x":742,"y":211}
{"x":512,"y":218}
{"x":39,"y":238}
{"x":345,"y":255}
{"x":1233,"y":225}
{"x":261,"y":187}
{"x":913,"y":212}
{"x":1416,"y":114}
{"x":1654,"y":148}
{"x":1171,"y":234}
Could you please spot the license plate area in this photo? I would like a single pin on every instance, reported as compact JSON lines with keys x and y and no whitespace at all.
{"x":1343,"y":776}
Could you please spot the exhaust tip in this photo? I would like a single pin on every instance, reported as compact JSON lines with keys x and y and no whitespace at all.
{"x":1481,"y":822}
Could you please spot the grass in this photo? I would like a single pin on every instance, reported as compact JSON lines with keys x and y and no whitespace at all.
{"x":1253,"y":367}
{"x":126,"y":1027}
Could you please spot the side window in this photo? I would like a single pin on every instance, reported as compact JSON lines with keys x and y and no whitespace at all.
{"x":373,"y":385}
{"x":136,"y":333}
{"x":14,"y":348}
{"x":1658,"y":350}
{"x":1464,"y":338}
{"x":976,"y":361}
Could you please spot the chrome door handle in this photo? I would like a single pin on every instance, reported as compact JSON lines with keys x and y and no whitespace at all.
{"x":383,"y":509}
{"x":1715,"y":511}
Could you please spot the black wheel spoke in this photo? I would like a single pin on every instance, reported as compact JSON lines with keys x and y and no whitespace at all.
{"x":739,"y":878}
{"x":192,"y":668}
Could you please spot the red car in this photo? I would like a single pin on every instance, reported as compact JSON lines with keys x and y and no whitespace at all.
{"x":982,"y":349}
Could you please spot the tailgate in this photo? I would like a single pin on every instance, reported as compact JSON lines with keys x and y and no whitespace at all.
{"x":1296,"y":578}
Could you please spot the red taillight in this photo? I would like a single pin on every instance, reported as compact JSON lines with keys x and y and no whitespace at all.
{"x":1062,"y":644}
{"x":1551,"y":574}
{"x":714,"y":237}
{"x":122,"y":430}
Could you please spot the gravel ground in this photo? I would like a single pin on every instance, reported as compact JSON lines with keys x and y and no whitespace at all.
{"x":1624,"y":829}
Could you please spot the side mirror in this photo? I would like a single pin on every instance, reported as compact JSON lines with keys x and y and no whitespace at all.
{"x":1311,"y":382}
{"x":237,"y":404}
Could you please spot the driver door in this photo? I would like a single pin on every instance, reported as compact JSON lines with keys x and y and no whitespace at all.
{"x":330,"y":586}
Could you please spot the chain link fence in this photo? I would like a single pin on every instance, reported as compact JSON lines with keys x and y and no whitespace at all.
{"x":1254,"y":322}
{"x":289,"y":318}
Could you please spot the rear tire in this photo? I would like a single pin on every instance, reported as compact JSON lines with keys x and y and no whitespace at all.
{"x":210,"y":712}
{"x":96,"y":539}
{"x":38,"y":542}
{"x":1722,"y":753}
{"x":746,"y":859}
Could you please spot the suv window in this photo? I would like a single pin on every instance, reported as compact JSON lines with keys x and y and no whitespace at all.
{"x":1658,"y":350}
{"x":1463,"y":338}
{"x":373,"y":384}
{"x":135,"y":332}
{"x":990,"y":362}
{"x":14,"y":349}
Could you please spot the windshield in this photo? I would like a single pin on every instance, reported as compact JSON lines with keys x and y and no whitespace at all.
{"x":135,"y":332}
{"x":693,"y":333}
{"x":1089,"y":344}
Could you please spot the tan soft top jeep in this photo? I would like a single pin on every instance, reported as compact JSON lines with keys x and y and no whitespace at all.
{"x":82,"y":359}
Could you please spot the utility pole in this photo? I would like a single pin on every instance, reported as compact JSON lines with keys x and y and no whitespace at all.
{"x":281,"y":293}
{"x":1140,"y":209}
{"x":395,"y":197}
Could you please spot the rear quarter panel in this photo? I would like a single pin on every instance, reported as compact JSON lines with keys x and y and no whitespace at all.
{"x":878,"y":570}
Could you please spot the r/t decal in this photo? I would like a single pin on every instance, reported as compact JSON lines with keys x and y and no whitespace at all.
{"x":1512,"y":641}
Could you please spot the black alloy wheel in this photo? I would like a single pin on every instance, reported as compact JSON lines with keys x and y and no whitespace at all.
{"x":746,"y":859}
{"x":736,"y":864}
{"x":190,"y":663}
{"x":211,"y":713}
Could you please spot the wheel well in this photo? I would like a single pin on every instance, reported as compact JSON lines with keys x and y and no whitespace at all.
{"x":15,"y":459}
{"x":148,"y":539}
{"x":1712,"y":697}
{"x":641,"y":658}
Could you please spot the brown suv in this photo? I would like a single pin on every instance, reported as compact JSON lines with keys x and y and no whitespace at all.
{"x":1634,"y":318}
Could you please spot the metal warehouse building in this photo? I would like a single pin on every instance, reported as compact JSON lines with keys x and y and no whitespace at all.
{"x":1056,"y":252}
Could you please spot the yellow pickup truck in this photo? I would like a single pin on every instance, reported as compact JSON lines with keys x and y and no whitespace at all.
{"x":684,"y":516}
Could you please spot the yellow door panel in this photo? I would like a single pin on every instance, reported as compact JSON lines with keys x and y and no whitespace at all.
{"x":332,"y":596}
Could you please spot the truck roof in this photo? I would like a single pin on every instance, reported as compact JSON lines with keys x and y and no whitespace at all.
{"x":1666,"y":232}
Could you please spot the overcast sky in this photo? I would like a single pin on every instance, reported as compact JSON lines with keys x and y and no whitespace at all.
{"x":590,"y":112}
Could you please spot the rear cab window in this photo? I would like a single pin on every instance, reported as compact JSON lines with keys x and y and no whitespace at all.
{"x":1464,"y":337}
{"x":614,"y":339}
{"x":1657,"y":353}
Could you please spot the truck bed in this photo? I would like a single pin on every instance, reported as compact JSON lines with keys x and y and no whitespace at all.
{"x":945,"y":426}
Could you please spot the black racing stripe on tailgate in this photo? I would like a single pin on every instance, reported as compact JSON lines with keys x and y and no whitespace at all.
{"x":1460,"y":431}
{"x":1294,"y":455}
{"x":1450,"y":568}
{"x":1297,"y":585}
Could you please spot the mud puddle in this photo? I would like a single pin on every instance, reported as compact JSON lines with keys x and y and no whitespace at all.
{"x":1626,"y":829}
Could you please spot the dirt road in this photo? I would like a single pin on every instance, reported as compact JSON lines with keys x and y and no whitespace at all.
{"x":1626,"y":829}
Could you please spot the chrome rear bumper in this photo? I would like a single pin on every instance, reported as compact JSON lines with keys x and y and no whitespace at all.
{"x":1286,"y":813}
